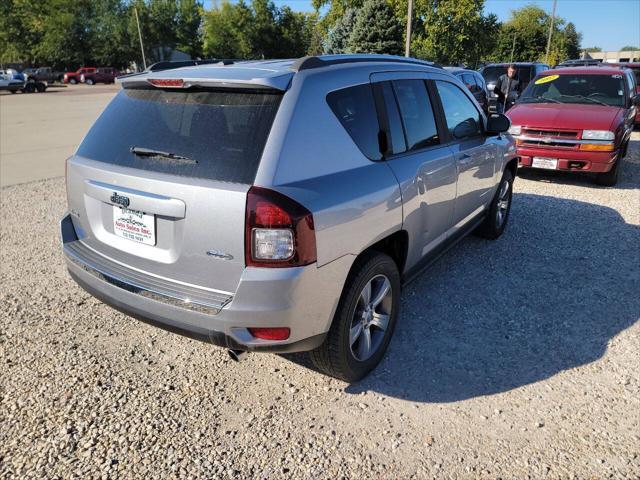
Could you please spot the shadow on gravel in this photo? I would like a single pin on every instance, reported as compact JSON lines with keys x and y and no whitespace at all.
{"x":490,"y":317}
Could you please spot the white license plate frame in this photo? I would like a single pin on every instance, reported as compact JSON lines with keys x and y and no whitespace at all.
{"x":138,"y":227}
{"x":545,"y":163}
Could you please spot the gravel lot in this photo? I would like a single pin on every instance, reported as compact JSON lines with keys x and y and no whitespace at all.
{"x":513,"y":359}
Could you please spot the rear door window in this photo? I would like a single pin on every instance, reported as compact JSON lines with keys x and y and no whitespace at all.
{"x":417,"y":114}
{"x":219,"y":133}
{"x":355,"y":109}
{"x":393,"y":117}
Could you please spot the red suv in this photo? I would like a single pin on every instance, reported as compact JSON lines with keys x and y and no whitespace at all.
{"x":74,"y":77}
{"x":576,"y":119}
{"x":100,"y":75}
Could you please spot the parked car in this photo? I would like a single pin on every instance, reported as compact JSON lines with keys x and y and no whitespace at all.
{"x":11,"y":82}
{"x":43,"y":74}
{"x":576,"y":120}
{"x":493,"y":71}
{"x":204,"y":200}
{"x":100,"y":75}
{"x":635,"y":68}
{"x":580,"y":62}
{"x":475,"y":83}
{"x":74,"y":77}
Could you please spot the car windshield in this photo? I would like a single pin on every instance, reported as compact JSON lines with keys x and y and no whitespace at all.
{"x":576,"y":88}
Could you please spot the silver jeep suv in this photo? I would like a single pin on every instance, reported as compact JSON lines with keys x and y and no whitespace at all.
{"x":278,"y":206}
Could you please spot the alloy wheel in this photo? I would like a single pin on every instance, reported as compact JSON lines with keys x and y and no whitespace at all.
{"x":503,"y":203}
{"x":371,"y":318}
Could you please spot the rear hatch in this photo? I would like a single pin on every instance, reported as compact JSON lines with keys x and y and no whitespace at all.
{"x":159,"y":183}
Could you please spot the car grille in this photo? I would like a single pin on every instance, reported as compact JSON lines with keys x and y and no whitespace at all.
{"x":545,"y":138}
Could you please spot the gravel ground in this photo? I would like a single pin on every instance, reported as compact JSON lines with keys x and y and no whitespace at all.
{"x":513,"y":359}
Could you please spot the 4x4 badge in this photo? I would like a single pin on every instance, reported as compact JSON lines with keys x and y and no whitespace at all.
{"x":119,"y":199}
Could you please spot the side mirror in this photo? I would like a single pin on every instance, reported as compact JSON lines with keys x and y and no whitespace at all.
{"x":636,"y":100}
{"x":466,"y":128}
{"x":498,"y":123}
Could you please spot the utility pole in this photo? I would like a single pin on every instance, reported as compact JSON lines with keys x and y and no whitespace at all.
{"x":553,"y":17}
{"x":144,"y":60}
{"x":407,"y":46}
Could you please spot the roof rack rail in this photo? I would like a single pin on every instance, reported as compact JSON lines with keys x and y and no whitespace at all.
{"x":308,"y":63}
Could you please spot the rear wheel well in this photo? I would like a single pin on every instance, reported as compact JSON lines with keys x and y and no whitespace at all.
{"x":395,"y":245}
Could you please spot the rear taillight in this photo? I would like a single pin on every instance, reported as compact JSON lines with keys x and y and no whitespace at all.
{"x":279,"y":232}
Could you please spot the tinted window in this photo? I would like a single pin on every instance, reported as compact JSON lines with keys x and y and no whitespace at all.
{"x":393,"y":116}
{"x":356,"y":110}
{"x":468,"y":81}
{"x":221,"y":133}
{"x":458,"y":108}
{"x":417,"y":114}
{"x":480,"y":82}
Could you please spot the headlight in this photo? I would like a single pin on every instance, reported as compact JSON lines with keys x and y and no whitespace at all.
{"x":515,"y":129}
{"x":598,"y":135}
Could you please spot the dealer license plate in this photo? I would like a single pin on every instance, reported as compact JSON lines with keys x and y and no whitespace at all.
{"x":543,"y":162}
{"x":133,"y":225}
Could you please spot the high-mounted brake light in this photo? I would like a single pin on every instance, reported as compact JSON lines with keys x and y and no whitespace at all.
{"x":279,"y":232}
{"x":166,"y":82}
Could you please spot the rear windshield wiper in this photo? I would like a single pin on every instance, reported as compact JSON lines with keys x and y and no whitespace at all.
{"x":148,"y":152}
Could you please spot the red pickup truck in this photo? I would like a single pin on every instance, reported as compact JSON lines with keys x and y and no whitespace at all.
{"x":100,"y":75}
{"x":576,"y":120}
{"x":74,"y":77}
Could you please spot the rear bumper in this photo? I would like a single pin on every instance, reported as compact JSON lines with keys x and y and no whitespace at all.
{"x":303,"y":299}
{"x":570,"y":160}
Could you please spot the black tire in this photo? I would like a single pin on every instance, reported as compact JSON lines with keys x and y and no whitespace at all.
{"x":493,"y":225}
{"x":610,"y":178}
{"x":13,"y":91}
{"x":41,"y":87}
{"x":73,"y":81}
{"x":89,"y":81}
{"x":335,"y":357}
{"x":29,"y":88}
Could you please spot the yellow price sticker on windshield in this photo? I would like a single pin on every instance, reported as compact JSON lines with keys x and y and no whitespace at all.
{"x":546,"y":79}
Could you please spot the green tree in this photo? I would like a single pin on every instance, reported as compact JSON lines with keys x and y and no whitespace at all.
{"x":188,"y":27}
{"x":592,"y":49}
{"x":338,"y":36}
{"x":530,"y":26}
{"x":629,"y":48}
{"x":294,"y":38}
{"x":572,"y":40}
{"x":376,"y":30}
{"x":450,"y":31}
{"x":227,"y":31}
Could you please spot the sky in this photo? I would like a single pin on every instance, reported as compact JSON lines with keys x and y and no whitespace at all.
{"x":608,"y":24}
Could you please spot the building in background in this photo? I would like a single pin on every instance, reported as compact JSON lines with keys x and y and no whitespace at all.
{"x":622,"y":56}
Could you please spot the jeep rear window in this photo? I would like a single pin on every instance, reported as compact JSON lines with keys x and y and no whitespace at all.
{"x":222,"y":132}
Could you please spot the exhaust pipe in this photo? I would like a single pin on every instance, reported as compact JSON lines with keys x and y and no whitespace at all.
{"x":237,"y":355}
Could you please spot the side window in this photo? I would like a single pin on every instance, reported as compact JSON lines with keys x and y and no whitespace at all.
{"x":480,"y":81}
{"x":393,"y":117}
{"x":463,"y":119}
{"x":469,"y":82}
{"x":356,"y":110}
{"x":417,"y":114}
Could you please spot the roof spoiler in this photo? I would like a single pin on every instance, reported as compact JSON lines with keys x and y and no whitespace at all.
{"x":308,"y":63}
{"x":170,"y":65}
